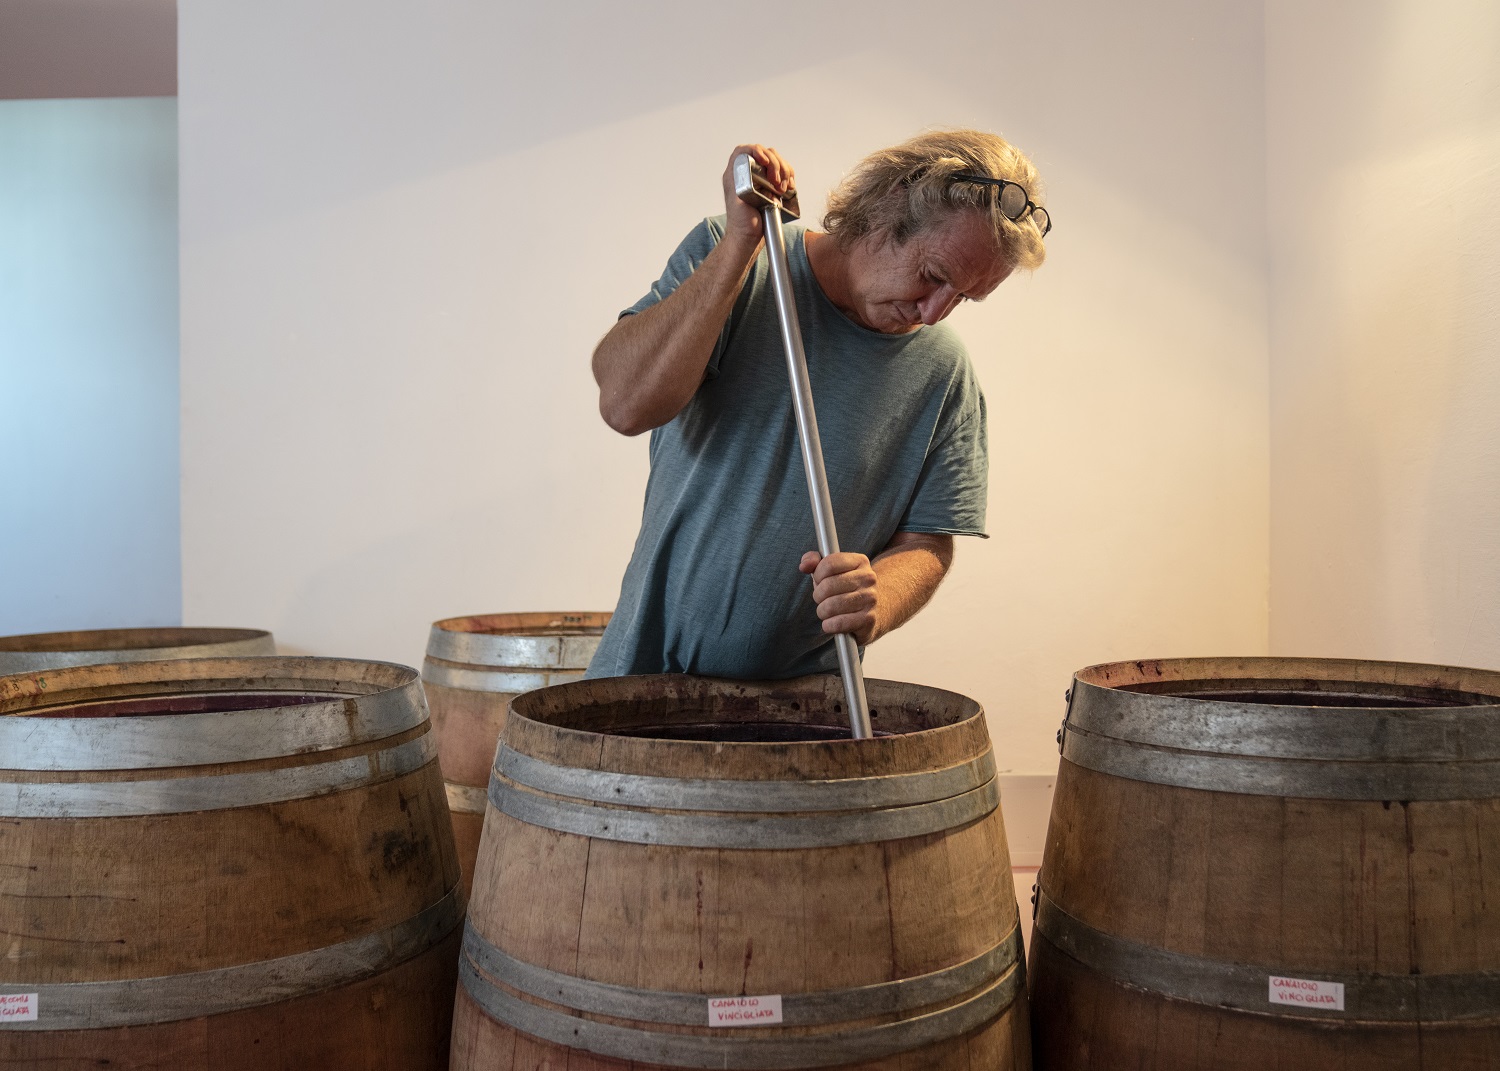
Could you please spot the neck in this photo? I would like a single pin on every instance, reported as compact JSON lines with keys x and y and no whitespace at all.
{"x":830,"y":267}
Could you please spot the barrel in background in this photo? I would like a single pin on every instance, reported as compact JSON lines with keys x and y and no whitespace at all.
{"x":227,"y":864}
{"x":1261,"y":863}
{"x":474,"y":667}
{"x":55,"y":650}
{"x":661,"y":850}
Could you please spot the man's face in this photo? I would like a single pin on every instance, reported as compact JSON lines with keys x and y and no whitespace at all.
{"x":895,"y":289}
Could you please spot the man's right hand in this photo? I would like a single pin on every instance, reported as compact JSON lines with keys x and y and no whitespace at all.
{"x":744,"y":224}
{"x":649,"y":365}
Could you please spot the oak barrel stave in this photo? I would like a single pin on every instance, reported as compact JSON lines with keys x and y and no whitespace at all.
{"x":635,"y":936}
{"x":280,"y":921}
{"x":474,"y":667}
{"x":1347,"y":842}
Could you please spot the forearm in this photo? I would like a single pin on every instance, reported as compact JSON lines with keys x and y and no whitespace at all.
{"x":907,"y":575}
{"x":650,"y":364}
{"x":870,"y":597}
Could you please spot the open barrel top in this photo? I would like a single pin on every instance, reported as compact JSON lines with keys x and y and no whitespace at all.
{"x":315,"y":679}
{"x":527,"y":624}
{"x":126,"y":639}
{"x":223,"y":710}
{"x":1310,"y":682}
{"x":675,"y":724}
{"x":52,"y":650}
{"x":544,"y":640}
{"x":1297,"y":727}
{"x":184,"y":703}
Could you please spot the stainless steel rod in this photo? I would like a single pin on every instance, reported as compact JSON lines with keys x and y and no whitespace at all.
{"x":812,"y":456}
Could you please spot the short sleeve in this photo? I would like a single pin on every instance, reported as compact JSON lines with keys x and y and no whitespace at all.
{"x":953,"y":488}
{"x":690,"y":253}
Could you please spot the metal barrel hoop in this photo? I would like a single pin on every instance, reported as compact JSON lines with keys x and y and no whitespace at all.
{"x":56,"y":650}
{"x":975,"y":993}
{"x":143,"y":1001}
{"x":383,"y":704}
{"x":754,"y":815}
{"x":182,"y":795}
{"x":1243,"y":987}
{"x":542,"y":642}
{"x":1310,"y":752}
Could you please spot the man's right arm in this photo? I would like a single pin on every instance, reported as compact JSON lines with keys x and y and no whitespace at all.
{"x":650,"y":364}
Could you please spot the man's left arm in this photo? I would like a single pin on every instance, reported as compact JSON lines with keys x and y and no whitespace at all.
{"x":871,"y":597}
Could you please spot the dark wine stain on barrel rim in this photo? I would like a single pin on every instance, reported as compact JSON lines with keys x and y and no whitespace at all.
{"x":180,"y":703}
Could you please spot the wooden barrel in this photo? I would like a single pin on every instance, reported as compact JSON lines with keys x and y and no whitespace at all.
{"x":53,"y":650}
{"x":474,"y":667}
{"x":685,"y":872}
{"x":1272,"y":863}
{"x":233,"y":864}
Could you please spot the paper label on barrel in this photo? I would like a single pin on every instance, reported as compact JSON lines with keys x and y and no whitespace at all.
{"x":744,"y":1011}
{"x":1305,"y":993}
{"x":17,"y":1007}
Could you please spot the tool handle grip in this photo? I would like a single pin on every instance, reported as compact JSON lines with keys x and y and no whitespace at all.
{"x":812,"y":456}
{"x":753,"y":187}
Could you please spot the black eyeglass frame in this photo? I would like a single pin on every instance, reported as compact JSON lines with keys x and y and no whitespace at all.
{"x":1000,"y":184}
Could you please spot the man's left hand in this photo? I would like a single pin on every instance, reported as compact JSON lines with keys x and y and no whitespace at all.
{"x":844,"y":588}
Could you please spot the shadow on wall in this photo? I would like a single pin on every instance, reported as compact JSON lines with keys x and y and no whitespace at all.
{"x":468,"y":82}
{"x":475,"y":81}
{"x":378,"y":601}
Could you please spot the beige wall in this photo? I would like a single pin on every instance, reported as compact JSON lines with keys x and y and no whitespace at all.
{"x":1384,"y":161}
{"x":405,"y":226}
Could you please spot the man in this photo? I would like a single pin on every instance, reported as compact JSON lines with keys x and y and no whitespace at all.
{"x":714,"y":586}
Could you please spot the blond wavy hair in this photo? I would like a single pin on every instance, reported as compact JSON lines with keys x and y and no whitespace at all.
{"x":898,"y":192}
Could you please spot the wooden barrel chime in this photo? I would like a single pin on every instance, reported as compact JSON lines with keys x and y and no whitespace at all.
{"x":686,"y":872}
{"x":1258,"y":863}
{"x":474,"y":667}
{"x":246,"y":862}
{"x":92,"y":647}
{"x":227,"y":864}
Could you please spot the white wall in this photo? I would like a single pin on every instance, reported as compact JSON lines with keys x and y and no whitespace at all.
{"x":88,"y":364}
{"x":1384,"y":162}
{"x":405,"y":226}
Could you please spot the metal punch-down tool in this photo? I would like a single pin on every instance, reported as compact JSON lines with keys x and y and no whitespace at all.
{"x":752,"y":187}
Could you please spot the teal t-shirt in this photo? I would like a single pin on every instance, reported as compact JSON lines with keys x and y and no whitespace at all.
{"x":712,"y":587}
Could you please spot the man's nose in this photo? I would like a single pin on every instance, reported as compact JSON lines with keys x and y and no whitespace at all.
{"x":938,"y":304}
